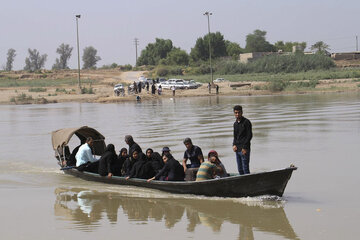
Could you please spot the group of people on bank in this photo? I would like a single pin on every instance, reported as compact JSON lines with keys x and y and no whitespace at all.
{"x":151,"y":165}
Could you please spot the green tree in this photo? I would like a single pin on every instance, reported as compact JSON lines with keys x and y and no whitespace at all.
{"x":89,"y":58}
{"x":65,"y":53}
{"x":233,"y":49}
{"x":153,"y":52}
{"x":288,"y":46}
{"x":10,"y":59}
{"x":177,"y":57}
{"x":201,"y":49}
{"x":320,"y":47}
{"x":256,"y":42}
{"x":34,"y":61}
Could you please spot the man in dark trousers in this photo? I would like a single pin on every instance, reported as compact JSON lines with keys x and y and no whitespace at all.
{"x":242,"y":138}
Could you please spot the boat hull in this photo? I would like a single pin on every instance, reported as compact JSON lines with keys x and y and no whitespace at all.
{"x":256,"y":184}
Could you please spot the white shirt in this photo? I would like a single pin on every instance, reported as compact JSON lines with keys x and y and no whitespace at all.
{"x":84,"y":155}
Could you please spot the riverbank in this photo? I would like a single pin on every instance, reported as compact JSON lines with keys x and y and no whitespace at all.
{"x":62,"y":86}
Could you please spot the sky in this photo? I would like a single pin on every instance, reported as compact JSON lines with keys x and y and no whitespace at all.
{"x":111,"y":26}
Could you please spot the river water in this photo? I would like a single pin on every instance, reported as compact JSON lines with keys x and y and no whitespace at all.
{"x":320,"y":134}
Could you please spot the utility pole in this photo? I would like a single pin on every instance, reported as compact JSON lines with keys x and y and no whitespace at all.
{"x":357,"y":43}
{"x":211,"y":72}
{"x":78,"y":50}
{"x":136,"y":41}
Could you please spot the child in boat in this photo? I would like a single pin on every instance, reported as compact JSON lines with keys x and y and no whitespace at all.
{"x":220,"y":168}
{"x":212,"y":168}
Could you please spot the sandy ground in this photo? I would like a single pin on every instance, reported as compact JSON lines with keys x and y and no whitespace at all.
{"x":106,"y":79}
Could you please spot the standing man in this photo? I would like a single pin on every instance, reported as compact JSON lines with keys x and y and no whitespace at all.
{"x":193,"y":153}
{"x":133,"y":146}
{"x":242,"y":138}
{"x":173,"y":88}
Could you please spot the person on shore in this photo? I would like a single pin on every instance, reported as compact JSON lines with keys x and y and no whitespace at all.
{"x":85,"y":161}
{"x":147,"y":86}
{"x":107,"y":162}
{"x":153,"y":88}
{"x":159,"y":90}
{"x":135,"y":88}
{"x":172,"y":170}
{"x":241,"y":142}
{"x":209,"y":87}
{"x":132,"y":144}
{"x":173,"y":88}
{"x":193,"y":153}
{"x":139,"y":87}
{"x":217,"y":89}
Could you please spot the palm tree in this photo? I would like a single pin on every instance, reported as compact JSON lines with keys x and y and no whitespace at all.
{"x":320,"y":47}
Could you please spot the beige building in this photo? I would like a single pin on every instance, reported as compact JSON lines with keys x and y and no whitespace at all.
{"x":345,"y":56}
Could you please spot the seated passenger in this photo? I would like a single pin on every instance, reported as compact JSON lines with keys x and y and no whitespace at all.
{"x":120,"y":163}
{"x":172,"y":170}
{"x":85,"y":161}
{"x":193,"y":153}
{"x":108,"y":161}
{"x":72,"y":159}
{"x":129,"y":162}
{"x":220,"y":168}
{"x":206,"y":171}
{"x":141,"y":168}
{"x":155,"y":159}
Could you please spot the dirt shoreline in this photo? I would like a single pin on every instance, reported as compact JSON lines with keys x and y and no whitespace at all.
{"x":106,"y":79}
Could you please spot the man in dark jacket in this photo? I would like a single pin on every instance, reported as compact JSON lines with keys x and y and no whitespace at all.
{"x":132,"y":145}
{"x":242,"y":138}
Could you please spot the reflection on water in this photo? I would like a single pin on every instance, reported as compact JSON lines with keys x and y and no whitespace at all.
{"x":86,"y":208}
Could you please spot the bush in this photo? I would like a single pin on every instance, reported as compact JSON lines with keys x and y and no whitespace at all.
{"x":277,"y":85}
{"x":89,"y":90}
{"x":126,"y":67}
{"x":22,"y":98}
{"x":278,"y":64}
{"x":39,"y":89}
{"x":162,"y":72}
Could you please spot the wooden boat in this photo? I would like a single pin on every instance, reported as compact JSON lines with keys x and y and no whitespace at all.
{"x":255,"y":184}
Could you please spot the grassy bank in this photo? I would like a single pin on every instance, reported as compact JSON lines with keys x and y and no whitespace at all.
{"x":41,"y":83}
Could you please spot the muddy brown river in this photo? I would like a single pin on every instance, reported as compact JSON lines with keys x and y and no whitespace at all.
{"x":319,"y":133}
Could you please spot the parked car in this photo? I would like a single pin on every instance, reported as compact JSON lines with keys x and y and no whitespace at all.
{"x":164,"y":85}
{"x":119,"y":89}
{"x":190,"y":85}
{"x":198,"y":84}
{"x":218,"y":80}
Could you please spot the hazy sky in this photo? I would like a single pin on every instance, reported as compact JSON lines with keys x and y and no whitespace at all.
{"x":111,"y":25}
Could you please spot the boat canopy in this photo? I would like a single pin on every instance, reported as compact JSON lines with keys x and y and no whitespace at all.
{"x":60,"y":138}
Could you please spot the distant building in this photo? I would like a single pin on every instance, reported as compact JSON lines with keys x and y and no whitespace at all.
{"x":249,"y":57}
{"x":345,"y":56}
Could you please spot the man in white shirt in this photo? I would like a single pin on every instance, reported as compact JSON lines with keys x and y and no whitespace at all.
{"x":84,"y":155}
